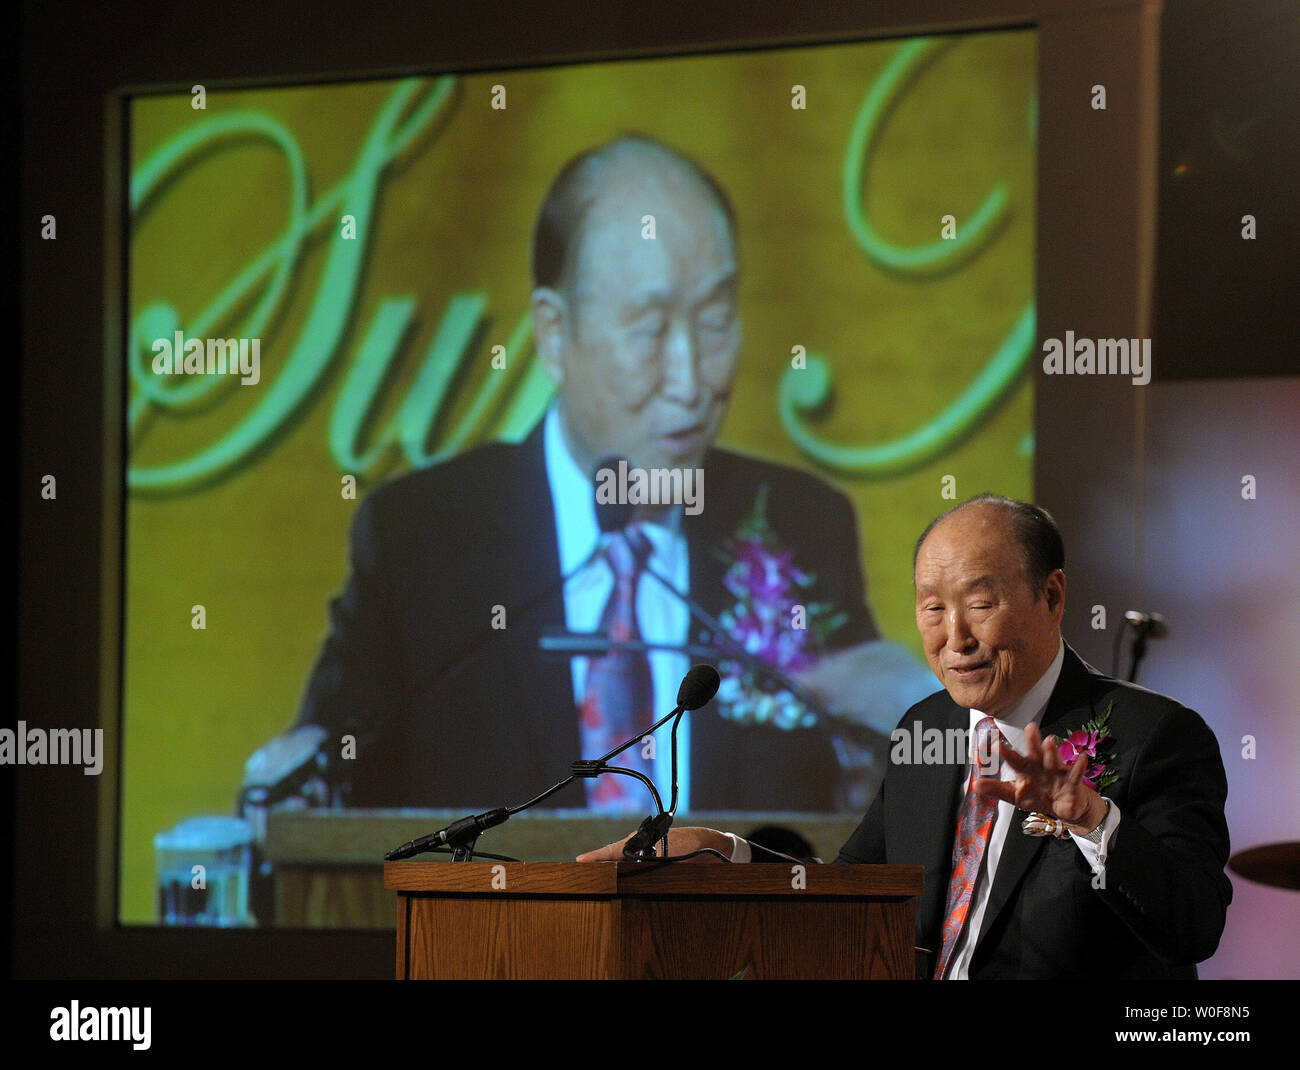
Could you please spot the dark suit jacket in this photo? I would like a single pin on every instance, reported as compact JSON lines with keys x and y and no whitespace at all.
{"x":448,"y":711}
{"x":1165,"y":895}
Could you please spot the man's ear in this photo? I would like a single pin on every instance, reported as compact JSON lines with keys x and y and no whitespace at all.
{"x":550,"y":330}
{"x":1054,"y":591}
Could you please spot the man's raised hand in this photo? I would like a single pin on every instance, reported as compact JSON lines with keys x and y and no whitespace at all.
{"x":1045,"y":784}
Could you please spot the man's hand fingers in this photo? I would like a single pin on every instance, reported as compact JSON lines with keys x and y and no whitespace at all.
{"x":611,"y":852}
{"x":1052,"y":760}
{"x":1019,"y":762}
{"x":1033,"y":743}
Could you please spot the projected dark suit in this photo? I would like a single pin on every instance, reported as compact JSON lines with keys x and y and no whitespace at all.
{"x":1163,"y":905}
{"x":449,"y":712}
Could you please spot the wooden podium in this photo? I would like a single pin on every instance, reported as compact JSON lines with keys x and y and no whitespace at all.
{"x":629,"y":920}
{"x":328,"y":864}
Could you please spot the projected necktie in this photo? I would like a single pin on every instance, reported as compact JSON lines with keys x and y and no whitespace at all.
{"x":619,"y":699}
{"x":974,"y":825}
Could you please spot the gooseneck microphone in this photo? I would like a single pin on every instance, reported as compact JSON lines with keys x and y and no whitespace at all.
{"x":698,"y":687}
{"x":457,"y":834}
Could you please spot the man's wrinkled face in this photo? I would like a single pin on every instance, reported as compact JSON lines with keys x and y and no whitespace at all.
{"x":988,"y":635}
{"x":647,"y":340}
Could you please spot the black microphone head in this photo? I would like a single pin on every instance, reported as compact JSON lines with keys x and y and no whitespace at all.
{"x":698,"y":686}
{"x":610,"y":515}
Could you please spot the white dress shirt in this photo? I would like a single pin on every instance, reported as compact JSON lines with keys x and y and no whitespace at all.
{"x":661,"y":616}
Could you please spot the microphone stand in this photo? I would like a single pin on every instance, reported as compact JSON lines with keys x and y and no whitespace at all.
{"x":1139,"y":650}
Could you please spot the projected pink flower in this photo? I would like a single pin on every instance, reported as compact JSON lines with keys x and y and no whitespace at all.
{"x":771,"y":620}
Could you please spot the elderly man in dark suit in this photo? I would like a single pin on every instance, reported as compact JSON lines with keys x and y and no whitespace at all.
{"x":1082,"y":833}
{"x":458,"y":572}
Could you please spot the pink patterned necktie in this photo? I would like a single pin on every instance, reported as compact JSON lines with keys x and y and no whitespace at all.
{"x":619,"y":699}
{"x":975,"y":822}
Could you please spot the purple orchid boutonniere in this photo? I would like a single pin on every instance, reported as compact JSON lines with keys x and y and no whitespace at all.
{"x":1093,"y":739}
{"x":771,"y":620}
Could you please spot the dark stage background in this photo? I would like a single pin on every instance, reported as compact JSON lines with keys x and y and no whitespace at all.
{"x":1146,"y":481}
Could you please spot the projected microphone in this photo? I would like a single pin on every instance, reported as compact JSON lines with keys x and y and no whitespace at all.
{"x":611,"y":516}
{"x":561,"y":641}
